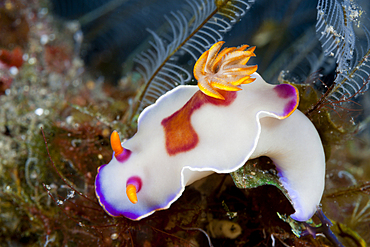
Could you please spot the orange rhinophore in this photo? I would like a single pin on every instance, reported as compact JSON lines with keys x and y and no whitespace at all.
{"x":131,"y":193}
{"x":116,"y":144}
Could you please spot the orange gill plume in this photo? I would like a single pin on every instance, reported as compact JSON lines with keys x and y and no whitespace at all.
{"x":224,"y":70}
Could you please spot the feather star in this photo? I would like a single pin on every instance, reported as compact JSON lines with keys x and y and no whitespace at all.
{"x":189,"y":134}
{"x":225,"y":70}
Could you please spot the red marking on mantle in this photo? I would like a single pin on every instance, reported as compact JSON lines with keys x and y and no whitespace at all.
{"x":179,"y":133}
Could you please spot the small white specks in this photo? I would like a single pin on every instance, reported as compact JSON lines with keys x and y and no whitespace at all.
{"x":33,"y":175}
{"x":100,"y":156}
{"x":69,"y":119}
{"x":47,"y":241}
{"x":272,"y":240}
{"x":78,"y":36}
{"x":53,"y":186}
{"x":75,"y":83}
{"x":25,"y":57}
{"x":59,"y":202}
{"x":13,"y":70}
{"x":114,"y":236}
{"x":352,"y":121}
{"x":39,"y":111}
{"x":73,"y":26}
{"x":43,"y":91}
{"x":44,"y":39}
{"x":42,"y":12}
{"x":32,"y":60}
{"x":71,"y":194}
{"x":52,"y":37}
{"x":31,"y":15}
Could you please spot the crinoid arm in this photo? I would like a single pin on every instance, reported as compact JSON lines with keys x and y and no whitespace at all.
{"x":344,"y":34}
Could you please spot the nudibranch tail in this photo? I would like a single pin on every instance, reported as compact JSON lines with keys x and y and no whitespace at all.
{"x":294,"y":146}
{"x":223,"y":71}
{"x":116,"y":144}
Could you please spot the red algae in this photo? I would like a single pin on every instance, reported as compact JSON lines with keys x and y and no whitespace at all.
{"x":5,"y":82}
{"x":58,"y":58}
{"x":11,"y":58}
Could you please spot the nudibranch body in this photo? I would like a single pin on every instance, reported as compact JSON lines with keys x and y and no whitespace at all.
{"x":187,"y":135}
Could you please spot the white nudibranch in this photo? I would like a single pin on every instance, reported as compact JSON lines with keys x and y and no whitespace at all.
{"x":190,"y":133}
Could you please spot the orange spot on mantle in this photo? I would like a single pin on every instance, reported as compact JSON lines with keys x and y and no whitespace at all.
{"x":179,"y":133}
